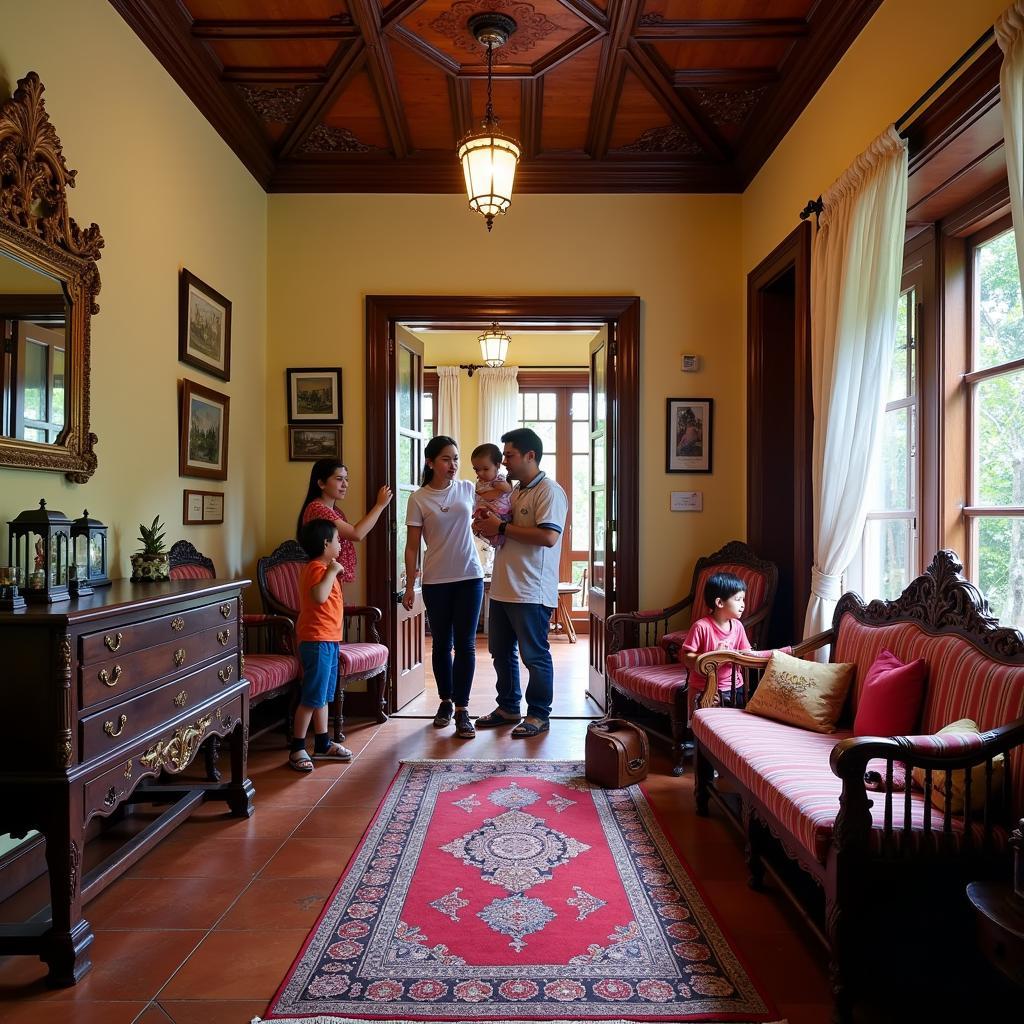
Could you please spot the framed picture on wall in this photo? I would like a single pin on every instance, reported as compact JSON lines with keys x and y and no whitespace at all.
{"x":203,"y":444}
{"x":204,"y":326}
{"x":202,"y":507}
{"x":688,"y":436}
{"x":314,"y":394}
{"x":307,"y":444}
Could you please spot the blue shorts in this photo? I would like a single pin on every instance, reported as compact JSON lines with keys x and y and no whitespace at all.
{"x":319,"y":671}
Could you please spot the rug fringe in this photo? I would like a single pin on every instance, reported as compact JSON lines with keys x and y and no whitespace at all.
{"x":493,"y":760}
{"x":394,"y":1020}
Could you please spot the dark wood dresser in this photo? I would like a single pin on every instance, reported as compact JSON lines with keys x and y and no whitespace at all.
{"x":103,"y":700}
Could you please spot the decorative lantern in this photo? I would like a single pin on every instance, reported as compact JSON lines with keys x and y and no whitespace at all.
{"x":10,"y":580}
{"x":494,"y":344}
{"x":89,"y":551}
{"x":40,"y":546}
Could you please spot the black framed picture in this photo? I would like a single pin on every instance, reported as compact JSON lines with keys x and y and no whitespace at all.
{"x":204,"y":326}
{"x":688,"y":435}
{"x":307,"y":444}
{"x":314,"y":394}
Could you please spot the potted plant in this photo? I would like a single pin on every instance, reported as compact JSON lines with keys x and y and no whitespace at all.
{"x":152,"y":562}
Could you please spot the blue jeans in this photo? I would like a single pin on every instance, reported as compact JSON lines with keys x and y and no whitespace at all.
{"x":453,"y":610}
{"x":515,"y":629}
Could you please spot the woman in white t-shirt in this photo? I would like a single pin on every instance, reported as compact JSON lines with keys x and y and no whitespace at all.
{"x":441,"y":513}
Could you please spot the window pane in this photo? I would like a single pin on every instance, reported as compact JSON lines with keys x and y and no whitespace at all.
{"x":599,"y":460}
{"x":580,"y":501}
{"x":530,"y":405}
{"x":886,"y":552}
{"x":402,"y":502}
{"x":581,"y":405}
{"x":550,"y":466}
{"x":57,"y":402}
{"x":895,"y":461}
{"x":598,"y":530}
{"x":998,"y":324}
{"x":546,"y":432}
{"x":999,"y":440}
{"x":428,"y":405}
{"x":405,"y":383}
{"x":407,"y":469}
{"x":547,"y":403}
{"x":999,"y":543}
{"x":35,"y":382}
{"x":581,"y":436}
{"x":579,"y":601}
{"x":898,"y":375}
{"x":34,"y":434}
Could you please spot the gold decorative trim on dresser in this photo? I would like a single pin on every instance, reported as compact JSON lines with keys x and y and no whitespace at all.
{"x":105,"y":701}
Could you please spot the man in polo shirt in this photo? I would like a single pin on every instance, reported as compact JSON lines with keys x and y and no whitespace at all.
{"x":524,"y":586}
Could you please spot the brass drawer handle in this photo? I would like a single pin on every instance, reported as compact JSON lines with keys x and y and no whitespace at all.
{"x":178,"y":624}
{"x":111,"y":730}
{"x":225,"y":673}
{"x":110,"y":678}
{"x":179,"y":657}
{"x":225,"y":610}
{"x":113,"y":643}
{"x":224,"y":636}
{"x":128,"y":770}
{"x":181,"y":699}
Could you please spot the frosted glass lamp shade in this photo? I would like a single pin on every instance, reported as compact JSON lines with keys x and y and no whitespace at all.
{"x":494,"y":346}
{"x":489,"y":161}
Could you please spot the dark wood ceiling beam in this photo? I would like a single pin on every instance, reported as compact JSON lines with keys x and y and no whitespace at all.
{"x":366,"y":15}
{"x":346,"y":63}
{"x":739,"y":77}
{"x":589,"y":12}
{"x":397,"y":10}
{"x":309,"y":28}
{"x":165,"y":30}
{"x":460,"y":100}
{"x":712,"y":31}
{"x":568,"y":49}
{"x":611,"y":69}
{"x":274,"y":76}
{"x":532,"y":95}
{"x":676,"y":106}
{"x":424,"y":49}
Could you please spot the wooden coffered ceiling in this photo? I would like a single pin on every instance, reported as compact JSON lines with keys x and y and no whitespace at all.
{"x":605,"y":95}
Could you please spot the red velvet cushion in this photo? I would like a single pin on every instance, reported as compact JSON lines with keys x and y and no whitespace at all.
{"x":890,"y":697}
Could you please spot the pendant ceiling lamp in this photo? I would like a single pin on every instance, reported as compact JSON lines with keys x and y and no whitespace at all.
{"x":489,"y":157}
{"x":494,"y":343}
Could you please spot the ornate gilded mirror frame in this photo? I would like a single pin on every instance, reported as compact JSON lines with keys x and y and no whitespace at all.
{"x":36,"y":228}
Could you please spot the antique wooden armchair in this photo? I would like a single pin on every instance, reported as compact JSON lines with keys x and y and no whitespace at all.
{"x":643,"y":664}
{"x":363,"y":656}
{"x":269,"y":660}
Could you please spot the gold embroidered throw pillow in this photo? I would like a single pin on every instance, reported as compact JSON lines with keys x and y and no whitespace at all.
{"x":808,"y":694}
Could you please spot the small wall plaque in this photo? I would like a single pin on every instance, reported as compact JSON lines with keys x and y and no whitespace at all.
{"x":202,"y":507}
{"x":687,"y":501}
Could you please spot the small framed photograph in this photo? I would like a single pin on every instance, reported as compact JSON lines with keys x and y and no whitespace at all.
{"x":307,"y":444}
{"x":204,"y":326}
{"x":200,"y":507}
{"x":203,"y":444}
{"x":314,"y":394}
{"x":688,"y":440}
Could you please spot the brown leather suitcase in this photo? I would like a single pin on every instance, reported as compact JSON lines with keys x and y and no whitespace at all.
{"x":617,"y":753}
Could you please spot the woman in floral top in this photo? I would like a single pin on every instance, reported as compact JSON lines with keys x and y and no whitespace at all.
{"x":328,"y":483}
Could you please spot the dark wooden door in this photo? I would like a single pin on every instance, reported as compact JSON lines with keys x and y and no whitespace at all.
{"x":409,"y":627}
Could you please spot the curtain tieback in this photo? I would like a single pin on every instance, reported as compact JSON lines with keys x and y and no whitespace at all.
{"x":828,"y":588}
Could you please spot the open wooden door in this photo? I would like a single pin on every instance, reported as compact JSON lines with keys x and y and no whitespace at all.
{"x":409,"y":627}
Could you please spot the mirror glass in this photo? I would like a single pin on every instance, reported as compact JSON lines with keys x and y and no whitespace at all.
{"x":36,"y":364}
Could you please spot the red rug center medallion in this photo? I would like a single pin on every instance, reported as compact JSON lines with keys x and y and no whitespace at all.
{"x":515,"y":891}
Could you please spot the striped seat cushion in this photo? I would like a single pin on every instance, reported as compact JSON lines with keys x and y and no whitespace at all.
{"x":267,"y":672}
{"x":963,"y":681}
{"x":659,"y":681}
{"x":787,"y":770}
{"x":362,"y":659}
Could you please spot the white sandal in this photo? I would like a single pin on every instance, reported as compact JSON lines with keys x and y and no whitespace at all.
{"x":334,"y":752}
{"x":299,"y":761}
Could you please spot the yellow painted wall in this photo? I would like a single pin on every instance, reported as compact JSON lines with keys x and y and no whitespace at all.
{"x":166,"y":192}
{"x":901,"y":52}
{"x":680,"y":254}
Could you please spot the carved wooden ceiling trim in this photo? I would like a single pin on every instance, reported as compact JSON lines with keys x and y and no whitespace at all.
{"x":277,"y":90}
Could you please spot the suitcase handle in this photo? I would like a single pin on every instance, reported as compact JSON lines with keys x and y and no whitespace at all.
{"x":636,"y":764}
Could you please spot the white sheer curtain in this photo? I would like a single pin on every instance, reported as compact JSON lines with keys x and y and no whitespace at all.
{"x":855,"y":283}
{"x":447,"y":416}
{"x":499,"y":402}
{"x":1009,"y":30}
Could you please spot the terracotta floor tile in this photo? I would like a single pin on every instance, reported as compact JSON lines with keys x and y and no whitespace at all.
{"x":805,"y":1013}
{"x":216,"y":857}
{"x":213,"y":1011}
{"x":267,"y":821}
{"x":153,"y":1014}
{"x":154,"y":904}
{"x":286,"y":788}
{"x":273,"y":903}
{"x":36,"y":1012}
{"x":310,"y":858}
{"x":332,"y":821}
{"x":236,"y":965}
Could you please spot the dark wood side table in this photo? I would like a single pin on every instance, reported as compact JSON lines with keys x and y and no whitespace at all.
{"x":1000,"y":919}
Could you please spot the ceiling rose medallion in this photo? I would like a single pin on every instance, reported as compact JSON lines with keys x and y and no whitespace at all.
{"x":531,"y":26}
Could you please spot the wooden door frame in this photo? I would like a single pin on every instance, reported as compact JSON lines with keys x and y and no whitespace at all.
{"x":620,"y":313}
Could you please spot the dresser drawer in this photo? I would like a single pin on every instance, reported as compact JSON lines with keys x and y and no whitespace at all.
{"x":120,"y":724}
{"x":123,"y":672}
{"x":102,"y":795}
{"x":137,"y":636}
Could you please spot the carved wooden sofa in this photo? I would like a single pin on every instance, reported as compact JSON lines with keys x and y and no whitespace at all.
{"x":642,"y":665}
{"x":269,"y":660}
{"x":362,"y":656}
{"x":803,"y":799}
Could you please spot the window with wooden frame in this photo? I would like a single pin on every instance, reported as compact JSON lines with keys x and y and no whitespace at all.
{"x":557,"y":406}
{"x":430,"y":389}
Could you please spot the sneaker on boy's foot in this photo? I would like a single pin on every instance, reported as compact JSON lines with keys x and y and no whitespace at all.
{"x":463,"y":726}
{"x":444,"y":714}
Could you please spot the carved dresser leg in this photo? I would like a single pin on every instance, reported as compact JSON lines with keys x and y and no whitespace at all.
{"x":211,"y":753}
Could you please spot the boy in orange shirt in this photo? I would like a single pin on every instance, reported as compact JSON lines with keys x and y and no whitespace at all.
{"x":318,"y":629}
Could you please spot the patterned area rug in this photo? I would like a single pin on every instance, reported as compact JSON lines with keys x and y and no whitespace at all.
{"x":515,"y":891}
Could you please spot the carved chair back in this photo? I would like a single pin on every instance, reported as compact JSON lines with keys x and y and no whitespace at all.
{"x":186,"y":563}
{"x":277,"y":575}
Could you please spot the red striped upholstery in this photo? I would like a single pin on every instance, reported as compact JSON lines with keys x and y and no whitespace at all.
{"x":283,"y":584}
{"x":963,"y":682}
{"x":633,"y":657}
{"x":655,"y":682}
{"x":787,"y":769}
{"x":362,"y":659}
{"x":756,"y":587}
{"x":190,"y":572}
{"x":267,"y":672}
